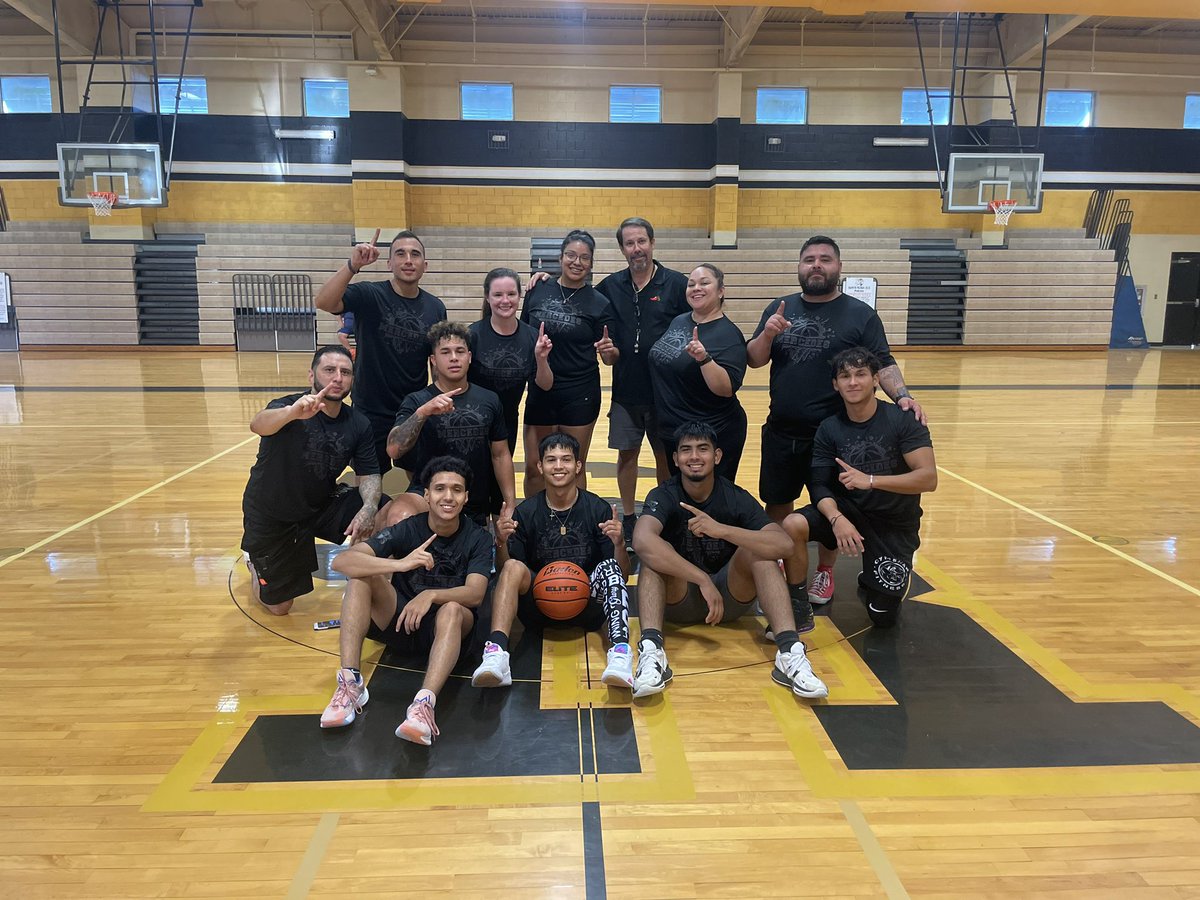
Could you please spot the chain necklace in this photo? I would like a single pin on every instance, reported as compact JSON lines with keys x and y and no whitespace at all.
{"x":562,"y":523}
{"x":566,"y":298}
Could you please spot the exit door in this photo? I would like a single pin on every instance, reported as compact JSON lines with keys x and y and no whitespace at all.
{"x":1182,"y":323}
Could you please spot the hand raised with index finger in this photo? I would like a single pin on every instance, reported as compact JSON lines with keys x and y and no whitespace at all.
{"x":366,"y":253}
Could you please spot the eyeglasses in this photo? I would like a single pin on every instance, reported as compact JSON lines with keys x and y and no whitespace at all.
{"x":572,"y":256}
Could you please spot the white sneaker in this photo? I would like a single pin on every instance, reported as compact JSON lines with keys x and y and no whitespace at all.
{"x":792,"y":669}
{"x":653,"y":673}
{"x":619,"y":671}
{"x":493,"y":671}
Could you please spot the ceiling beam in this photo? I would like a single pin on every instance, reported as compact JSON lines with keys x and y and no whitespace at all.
{"x":1022,"y":35}
{"x":1155,"y":29}
{"x":741,"y":26}
{"x":77,"y":22}
{"x":366,"y":14}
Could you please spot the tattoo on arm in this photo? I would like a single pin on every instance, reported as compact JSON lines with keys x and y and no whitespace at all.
{"x":402,"y":437}
{"x":892,"y":381}
{"x":370,"y":487}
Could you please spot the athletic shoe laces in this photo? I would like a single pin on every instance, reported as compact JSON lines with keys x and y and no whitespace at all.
{"x":422,"y":712}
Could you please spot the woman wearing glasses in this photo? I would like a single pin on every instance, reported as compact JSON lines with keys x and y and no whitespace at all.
{"x":577,"y":320}
{"x":696,"y":368}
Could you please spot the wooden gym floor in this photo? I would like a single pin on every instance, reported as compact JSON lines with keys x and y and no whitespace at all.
{"x":1030,"y":730}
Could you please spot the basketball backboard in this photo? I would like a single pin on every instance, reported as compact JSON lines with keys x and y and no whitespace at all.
{"x":975,"y":179}
{"x":131,"y":171}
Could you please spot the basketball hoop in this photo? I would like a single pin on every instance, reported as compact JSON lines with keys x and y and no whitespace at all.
{"x":102,"y":202}
{"x":1003,"y":210}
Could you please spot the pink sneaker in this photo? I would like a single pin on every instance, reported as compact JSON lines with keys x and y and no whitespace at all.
{"x":348,"y":701}
{"x":419,"y":727}
{"x":820,"y":590}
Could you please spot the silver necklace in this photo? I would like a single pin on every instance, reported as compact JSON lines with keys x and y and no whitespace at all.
{"x":566,"y":298}
{"x":562,"y":523}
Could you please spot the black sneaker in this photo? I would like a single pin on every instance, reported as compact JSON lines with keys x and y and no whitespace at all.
{"x":627,"y":528}
{"x":803,"y":612}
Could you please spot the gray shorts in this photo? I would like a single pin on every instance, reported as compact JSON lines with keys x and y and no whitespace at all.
{"x":629,"y":425}
{"x":692,"y":609}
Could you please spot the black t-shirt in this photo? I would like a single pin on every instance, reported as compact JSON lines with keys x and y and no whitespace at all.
{"x":641,"y":318}
{"x":539,"y":541}
{"x":503,"y":363}
{"x":391,"y":334}
{"x":802,"y":393}
{"x":297,"y":466}
{"x":466,"y":552}
{"x":727,"y":504}
{"x":680,"y":391}
{"x":575,"y":320}
{"x":467,"y":431}
{"x":877,"y":447}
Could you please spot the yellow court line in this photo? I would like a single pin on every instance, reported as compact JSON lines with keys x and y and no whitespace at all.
{"x":138,"y":496}
{"x":1076,"y":532}
{"x":306,"y":874}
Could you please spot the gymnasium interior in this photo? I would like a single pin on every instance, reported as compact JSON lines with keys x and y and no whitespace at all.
{"x":1014,"y":188}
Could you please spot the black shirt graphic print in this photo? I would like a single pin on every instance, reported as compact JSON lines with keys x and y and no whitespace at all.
{"x":802,"y":393}
{"x":680,"y":392}
{"x":391,"y":334}
{"x":876,"y":447}
{"x":539,"y":539}
{"x":466,"y":552}
{"x":297,"y":467}
{"x":728,"y":504}
{"x":575,"y":319}
{"x":503,"y":363}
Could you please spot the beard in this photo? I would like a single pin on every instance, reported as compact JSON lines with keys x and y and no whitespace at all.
{"x":693,"y":478}
{"x":332,"y":395}
{"x":819,"y":284}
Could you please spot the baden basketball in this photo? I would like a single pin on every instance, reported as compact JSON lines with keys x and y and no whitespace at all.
{"x":561,"y":590}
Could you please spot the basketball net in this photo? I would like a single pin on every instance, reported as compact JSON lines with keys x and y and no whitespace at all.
{"x":102,"y":202}
{"x":1003,"y":210}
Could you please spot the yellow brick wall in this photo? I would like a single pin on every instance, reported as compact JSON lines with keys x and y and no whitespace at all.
{"x":554,"y":207}
{"x":36,"y":200}
{"x":381,"y":204}
{"x":221,"y":201}
{"x":825,"y":208}
{"x":723,"y":208}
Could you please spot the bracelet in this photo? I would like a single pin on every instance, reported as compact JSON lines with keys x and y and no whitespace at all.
{"x":833,"y":521}
{"x":353,"y":271}
{"x":903,"y":395}
{"x":707,"y":359}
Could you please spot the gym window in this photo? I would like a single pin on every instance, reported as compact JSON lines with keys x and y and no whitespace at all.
{"x":193,"y":94}
{"x":327,"y":98}
{"x":915,"y":111}
{"x":1071,"y":109}
{"x":1191,"y":111}
{"x":781,"y":106}
{"x":487,"y":101}
{"x":25,"y":94}
{"x":635,"y":103}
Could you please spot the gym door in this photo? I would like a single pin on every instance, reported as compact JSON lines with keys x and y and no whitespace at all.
{"x":1182,"y":323}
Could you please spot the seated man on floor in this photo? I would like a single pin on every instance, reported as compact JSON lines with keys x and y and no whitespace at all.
{"x":871,"y":463}
{"x":452,"y":417}
{"x":708,"y":550}
{"x":559,"y":524}
{"x":415,"y":587}
{"x":293,"y":495}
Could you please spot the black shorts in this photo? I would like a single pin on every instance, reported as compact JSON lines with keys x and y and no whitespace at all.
{"x":420,"y":642}
{"x":381,"y":427}
{"x":575,"y":404}
{"x":693,"y":609}
{"x":590,"y":619}
{"x":284,"y":556}
{"x":786,"y":467}
{"x":887,"y":550}
{"x":628,"y":425}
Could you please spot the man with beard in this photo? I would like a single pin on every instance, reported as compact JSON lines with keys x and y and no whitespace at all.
{"x":452,"y":417}
{"x":708,"y":551}
{"x":871,"y":463}
{"x":414,"y":587}
{"x":293,"y":495}
{"x":562,"y":523}
{"x":391,"y":326}
{"x":798,"y":335}
{"x":645,"y":297}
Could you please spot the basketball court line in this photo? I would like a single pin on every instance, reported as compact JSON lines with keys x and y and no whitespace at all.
{"x":306,"y":874}
{"x":873,"y":851}
{"x":1073,"y":531}
{"x":122,"y":503}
